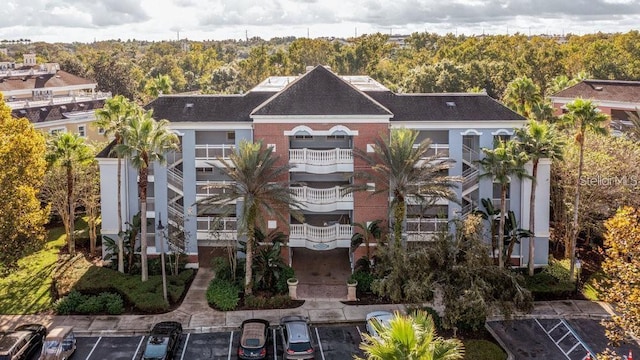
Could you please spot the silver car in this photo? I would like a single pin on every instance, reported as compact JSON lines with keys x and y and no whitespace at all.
{"x":296,"y":337}
{"x":383,"y":317}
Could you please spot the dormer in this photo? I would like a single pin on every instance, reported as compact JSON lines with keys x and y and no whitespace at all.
{"x":29,"y":59}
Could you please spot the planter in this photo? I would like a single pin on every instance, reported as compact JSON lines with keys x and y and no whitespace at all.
{"x":293,"y":288}
{"x":351,"y":290}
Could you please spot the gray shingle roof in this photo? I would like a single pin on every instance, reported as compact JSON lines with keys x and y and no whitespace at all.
{"x":44,"y":113}
{"x":320,"y":92}
{"x":603,"y":90}
{"x":443,"y":107}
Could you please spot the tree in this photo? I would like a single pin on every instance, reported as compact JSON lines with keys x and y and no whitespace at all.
{"x":370,"y":231}
{"x":521,"y":95}
{"x":113,"y":118}
{"x":69,"y":151}
{"x":584,"y":116}
{"x":619,"y":285}
{"x":634,"y":131}
{"x":89,"y":195}
{"x":403,"y":168}
{"x":538,"y":141}
{"x":256,"y":178}
{"x":145,"y":141}
{"x":162,"y":84}
{"x":410,"y":337}
{"x":22,"y":218}
{"x":501,"y":163}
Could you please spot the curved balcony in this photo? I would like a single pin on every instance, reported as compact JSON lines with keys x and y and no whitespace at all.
{"x":320,"y":237}
{"x":321,"y":161}
{"x":323,"y":200}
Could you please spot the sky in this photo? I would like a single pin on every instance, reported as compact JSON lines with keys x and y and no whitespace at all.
{"x":91,"y":20}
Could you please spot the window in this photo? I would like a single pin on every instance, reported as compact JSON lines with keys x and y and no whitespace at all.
{"x":231,"y":136}
{"x":82,"y":130}
{"x":56,"y":131}
{"x":303,"y":137}
{"x":101,"y":131}
{"x":336,"y":137}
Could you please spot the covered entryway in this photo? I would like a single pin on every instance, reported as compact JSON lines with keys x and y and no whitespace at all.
{"x":321,"y":274}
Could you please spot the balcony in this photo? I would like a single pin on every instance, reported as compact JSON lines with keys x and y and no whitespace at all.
{"x":423,"y":229}
{"x":213,"y":228}
{"x":323,"y":200}
{"x":321,"y":161}
{"x":206,"y":154}
{"x":205,"y":189}
{"x":320,"y":237}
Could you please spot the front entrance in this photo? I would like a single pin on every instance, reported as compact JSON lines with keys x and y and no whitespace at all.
{"x":321,"y":274}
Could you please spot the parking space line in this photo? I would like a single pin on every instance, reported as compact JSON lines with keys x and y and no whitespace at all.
{"x":320,"y":344}
{"x":94,"y":347}
{"x":138,"y":348}
{"x":275,"y":345}
{"x":230,"y":345}
{"x":359,"y":333}
{"x":184,"y":349}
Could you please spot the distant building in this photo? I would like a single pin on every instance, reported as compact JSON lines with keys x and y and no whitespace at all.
{"x":52,"y":99}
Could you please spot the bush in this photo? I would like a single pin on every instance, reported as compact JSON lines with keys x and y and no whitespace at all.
{"x":222,"y":294}
{"x":68,"y":304}
{"x":364,"y":281}
{"x":552,"y":283}
{"x":112,"y":303}
{"x":286,"y":273}
{"x":91,"y":305}
{"x":76,"y":303}
{"x":261,"y":302}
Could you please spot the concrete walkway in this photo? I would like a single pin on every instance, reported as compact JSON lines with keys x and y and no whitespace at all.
{"x":196,"y":316}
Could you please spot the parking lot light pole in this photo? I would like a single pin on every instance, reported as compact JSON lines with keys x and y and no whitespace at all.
{"x":164,"y":274}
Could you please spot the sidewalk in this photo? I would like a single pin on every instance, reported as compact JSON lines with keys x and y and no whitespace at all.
{"x":196,"y":316}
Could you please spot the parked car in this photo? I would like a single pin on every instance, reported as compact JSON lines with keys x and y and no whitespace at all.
{"x":59,"y":344}
{"x":163,"y":341}
{"x":383,"y":317}
{"x":296,"y":337}
{"x":254,"y":334}
{"x":24,"y":342}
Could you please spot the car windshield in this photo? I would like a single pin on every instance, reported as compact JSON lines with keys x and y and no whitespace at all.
{"x":156,"y":348}
{"x":51,"y":346}
{"x":300,"y":347}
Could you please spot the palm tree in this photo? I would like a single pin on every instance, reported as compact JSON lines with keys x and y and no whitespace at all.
{"x":634,"y":131}
{"x":159,"y":85}
{"x":500,"y":163}
{"x":403,"y":168}
{"x":538,"y":141}
{"x":521,"y":95}
{"x":145,"y":141}
{"x":69,"y":150}
{"x":584,"y":116}
{"x":410,"y":337}
{"x":256,"y":178}
{"x":370,"y":231}
{"x":113,"y":118}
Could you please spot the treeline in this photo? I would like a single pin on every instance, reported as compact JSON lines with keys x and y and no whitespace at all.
{"x":425,"y":63}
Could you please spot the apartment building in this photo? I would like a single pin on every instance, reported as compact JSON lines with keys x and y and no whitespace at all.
{"x":313,"y":122}
{"x":52,"y":99}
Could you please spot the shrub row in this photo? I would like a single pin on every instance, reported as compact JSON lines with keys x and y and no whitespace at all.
{"x":222,"y":295}
{"x":76,"y":303}
{"x":273,"y":302}
{"x":364,"y":279}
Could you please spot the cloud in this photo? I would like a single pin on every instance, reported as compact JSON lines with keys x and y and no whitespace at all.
{"x":249,"y":12}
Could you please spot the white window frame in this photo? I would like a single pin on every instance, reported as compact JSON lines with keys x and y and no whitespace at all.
{"x":82,"y":130}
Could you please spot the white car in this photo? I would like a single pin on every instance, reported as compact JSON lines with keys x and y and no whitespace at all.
{"x":383,"y":317}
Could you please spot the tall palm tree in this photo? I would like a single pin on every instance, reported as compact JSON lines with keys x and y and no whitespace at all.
{"x":410,"y":337}
{"x":113,"y":118}
{"x":159,"y":85}
{"x":257,"y":179}
{"x":145,"y":141}
{"x":521,"y":95}
{"x":69,"y":150}
{"x":501,"y":163}
{"x":584,"y":116}
{"x":538,"y":141}
{"x":403,"y":168}
{"x":370,"y":231}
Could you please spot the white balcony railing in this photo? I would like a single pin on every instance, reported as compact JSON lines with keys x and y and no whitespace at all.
{"x":323,"y":200}
{"x":321,"y":161}
{"x":496,"y":204}
{"x":209,"y":188}
{"x":441,"y":150}
{"x":320,"y":237}
{"x":426,"y":225}
{"x":217,"y":228}
{"x":59,"y":100}
{"x":212,"y":152}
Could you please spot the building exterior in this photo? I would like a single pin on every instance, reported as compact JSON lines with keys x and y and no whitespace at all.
{"x":613,"y":97}
{"x":313,"y":122}
{"x":52,"y":99}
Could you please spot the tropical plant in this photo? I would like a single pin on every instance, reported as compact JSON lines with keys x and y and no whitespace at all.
{"x":162,"y":84}
{"x":409,"y":337}
{"x":490,"y":214}
{"x":501,"y":163}
{"x":112,"y":118}
{"x":146,"y":141}
{"x":255,"y":174}
{"x":68,"y":151}
{"x":538,"y":141}
{"x":129,"y":237}
{"x":513,"y":234}
{"x":370,"y":231}
{"x":268,"y":265}
{"x":584,"y":116}
{"x":521,"y":95}
{"x":634,"y":131}
{"x":403,"y":168}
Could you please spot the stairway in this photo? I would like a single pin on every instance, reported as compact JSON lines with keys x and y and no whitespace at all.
{"x":470,"y":176}
{"x":175,"y":194}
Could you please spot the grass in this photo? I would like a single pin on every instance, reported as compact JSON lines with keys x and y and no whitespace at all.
{"x":483,"y":350}
{"x":26,"y":290}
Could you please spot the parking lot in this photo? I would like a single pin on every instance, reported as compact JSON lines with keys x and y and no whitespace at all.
{"x":331,"y":343}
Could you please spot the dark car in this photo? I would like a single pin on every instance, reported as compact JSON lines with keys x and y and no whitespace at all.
{"x":163,"y":341}
{"x":24,"y":342}
{"x":254,"y":334}
{"x":296,"y":337}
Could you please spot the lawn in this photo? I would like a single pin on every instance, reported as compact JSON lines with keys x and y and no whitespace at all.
{"x":27,"y":289}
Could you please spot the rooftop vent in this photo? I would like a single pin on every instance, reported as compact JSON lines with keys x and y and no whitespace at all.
{"x":63,"y":107}
{"x":451,"y":104}
{"x":188,"y":108}
{"x":23,"y":112}
{"x":43,"y":109}
{"x":598,"y":88}
{"x":82,"y":105}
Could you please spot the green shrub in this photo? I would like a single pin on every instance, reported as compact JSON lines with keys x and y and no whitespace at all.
{"x":483,"y":350}
{"x":261,"y":302}
{"x":222,"y":294}
{"x":91,"y":305}
{"x":112,"y":303}
{"x":68,"y":304}
{"x":552,"y":283}
{"x":364,"y":281}
{"x":286,"y":273}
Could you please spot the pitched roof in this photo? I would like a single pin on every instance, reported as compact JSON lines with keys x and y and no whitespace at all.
{"x":59,"y":79}
{"x":183,"y":108}
{"x":321,"y":92}
{"x":444,"y":107}
{"x":40,"y":114}
{"x":603,"y":90}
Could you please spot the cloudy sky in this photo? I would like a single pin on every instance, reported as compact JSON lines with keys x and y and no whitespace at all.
{"x":89,"y":20}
